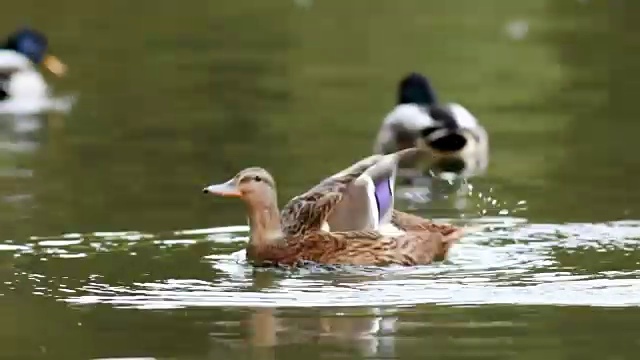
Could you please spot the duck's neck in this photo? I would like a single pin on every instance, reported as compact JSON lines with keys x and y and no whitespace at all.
{"x":264,"y":224}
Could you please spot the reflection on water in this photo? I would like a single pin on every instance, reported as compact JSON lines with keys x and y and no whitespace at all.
{"x":61,"y":105}
{"x":368,"y":333}
{"x":445,"y":186}
{"x":21,"y":136}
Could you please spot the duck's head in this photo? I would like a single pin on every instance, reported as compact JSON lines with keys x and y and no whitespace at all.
{"x":254,"y":185}
{"x":415,"y":88}
{"x":34,"y":46}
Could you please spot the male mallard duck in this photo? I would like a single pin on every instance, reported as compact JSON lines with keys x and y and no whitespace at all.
{"x":269,"y":244}
{"x":452,"y":133}
{"x":19,"y":79}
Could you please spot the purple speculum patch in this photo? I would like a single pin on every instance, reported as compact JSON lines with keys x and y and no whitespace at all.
{"x":383,"y":197}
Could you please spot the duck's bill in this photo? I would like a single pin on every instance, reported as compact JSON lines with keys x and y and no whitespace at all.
{"x":54,"y":65}
{"x":224,"y":189}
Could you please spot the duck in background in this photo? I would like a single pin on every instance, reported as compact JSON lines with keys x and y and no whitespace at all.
{"x":458,"y":143}
{"x":22,"y":87}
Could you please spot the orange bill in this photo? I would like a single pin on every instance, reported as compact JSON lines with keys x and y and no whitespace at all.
{"x":54,"y":65}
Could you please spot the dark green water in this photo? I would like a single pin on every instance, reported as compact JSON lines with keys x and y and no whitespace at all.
{"x":96,"y":260}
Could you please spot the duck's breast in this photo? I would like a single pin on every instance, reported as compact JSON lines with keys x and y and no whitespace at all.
{"x":27,"y":85}
{"x":11,"y":61}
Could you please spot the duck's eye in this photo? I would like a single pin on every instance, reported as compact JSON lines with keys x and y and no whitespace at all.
{"x":257,"y":178}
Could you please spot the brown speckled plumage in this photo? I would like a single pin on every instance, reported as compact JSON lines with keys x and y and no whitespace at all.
{"x":412,"y":223}
{"x":360,"y":248}
{"x":306,"y":212}
{"x":422,"y":243}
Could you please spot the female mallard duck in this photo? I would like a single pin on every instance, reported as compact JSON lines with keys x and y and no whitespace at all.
{"x":19,"y":79}
{"x":455,"y":137}
{"x":269,"y":244}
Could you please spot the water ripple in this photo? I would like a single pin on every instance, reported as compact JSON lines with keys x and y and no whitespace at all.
{"x":510,"y":262}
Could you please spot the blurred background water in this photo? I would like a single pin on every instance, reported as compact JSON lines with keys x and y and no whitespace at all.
{"x":108,"y":249}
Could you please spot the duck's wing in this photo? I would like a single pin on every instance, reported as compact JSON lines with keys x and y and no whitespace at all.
{"x":309,"y":211}
{"x":367,"y":202}
{"x":360,"y":197}
{"x":374,"y":191}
